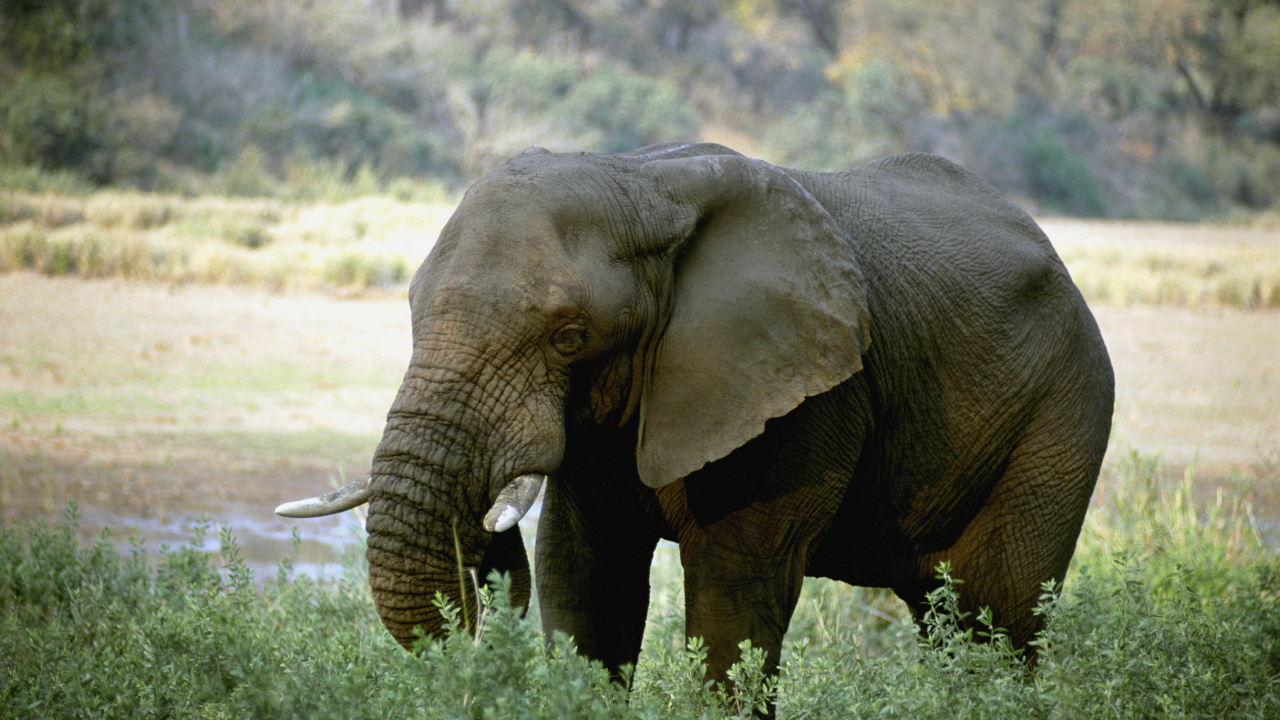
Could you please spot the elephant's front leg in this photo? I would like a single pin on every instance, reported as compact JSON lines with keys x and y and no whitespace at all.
{"x":731,"y":596}
{"x":744,"y":555}
{"x":593,"y":563}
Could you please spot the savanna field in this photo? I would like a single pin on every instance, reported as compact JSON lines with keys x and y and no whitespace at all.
{"x":173,"y":368}
{"x":210,"y":211}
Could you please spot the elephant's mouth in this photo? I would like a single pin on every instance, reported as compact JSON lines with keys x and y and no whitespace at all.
{"x":512,"y":503}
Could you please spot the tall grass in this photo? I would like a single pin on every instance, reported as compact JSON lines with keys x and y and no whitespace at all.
{"x":361,"y":243}
{"x":376,"y":241}
{"x":1126,"y":264}
{"x":1170,"y":610}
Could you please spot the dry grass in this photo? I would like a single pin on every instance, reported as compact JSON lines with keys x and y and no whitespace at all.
{"x":378,"y":241}
{"x":367,"y":242}
{"x":1125,"y":264}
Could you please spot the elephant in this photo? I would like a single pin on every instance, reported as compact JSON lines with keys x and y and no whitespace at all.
{"x":852,"y":375}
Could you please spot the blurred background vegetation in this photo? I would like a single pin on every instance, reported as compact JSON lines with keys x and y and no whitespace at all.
{"x":1163,"y":109}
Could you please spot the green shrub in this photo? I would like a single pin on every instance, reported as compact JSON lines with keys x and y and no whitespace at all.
{"x":1135,"y":639}
{"x":1111,"y":90}
{"x":1057,"y":176}
{"x":142,"y":131}
{"x":54,"y":125}
{"x":622,"y":111}
{"x":1261,"y":606}
{"x":35,"y":179}
{"x":88,"y":253}
{"x":349,"y":131}
{"x":856,"y":120}
{"x":1244,"y":172}
{"x":247,"y":176}
{"x":353,"y":269}
{"x":1168,"y":612}
{"x":1181,"y":190}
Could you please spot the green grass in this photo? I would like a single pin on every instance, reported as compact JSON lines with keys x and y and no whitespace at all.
{"x":186,"y":386}
{"x":298,"y":443}
{"x":1170,"y":610}
{"x":73,"y":402}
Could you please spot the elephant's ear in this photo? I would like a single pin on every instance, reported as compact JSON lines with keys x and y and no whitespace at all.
{"x":767,"y":308}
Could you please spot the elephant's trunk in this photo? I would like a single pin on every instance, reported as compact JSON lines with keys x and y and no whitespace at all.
{"x":426,"y":533}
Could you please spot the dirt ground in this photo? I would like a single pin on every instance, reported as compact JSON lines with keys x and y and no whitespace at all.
{"x":150,"y":404}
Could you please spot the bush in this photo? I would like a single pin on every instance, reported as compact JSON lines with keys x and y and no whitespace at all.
{"x":352,"y":269}
{"x":87,"y":634}
{"x":1245,"y":172}
{"x":1058,"y":177}
{"x":54,"y":125}
{"x":83,"y":253}
{"x":347,"y":130}
{"x":1168,"y":611}
{"x":143,"y":129}
{"x":1188,"y":180}
{"x":857,"y":120}
{"x":32,"y":178}
{"x":1108,"y":90}
{"x":247,"y":176}
{"x":621,"y":111}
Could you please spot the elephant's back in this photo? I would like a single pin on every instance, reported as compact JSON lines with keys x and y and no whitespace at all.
{"x":932,"y":213}
{"x":936,"y":242}
{"x":974,"y":320}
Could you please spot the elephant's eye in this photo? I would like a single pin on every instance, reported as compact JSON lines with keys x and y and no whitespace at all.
{"x":569,"y":340}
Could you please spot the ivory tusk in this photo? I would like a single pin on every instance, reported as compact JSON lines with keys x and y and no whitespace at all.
{"x":513,"y":502}
{"x":346,"y":497}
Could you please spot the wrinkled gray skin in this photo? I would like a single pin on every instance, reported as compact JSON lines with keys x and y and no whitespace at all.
{"x":852,"y":375}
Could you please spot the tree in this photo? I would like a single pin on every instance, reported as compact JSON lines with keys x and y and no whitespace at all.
{"x":821,"y":16}
{"x":1224,"y":54}
{"x":1229,"y":56}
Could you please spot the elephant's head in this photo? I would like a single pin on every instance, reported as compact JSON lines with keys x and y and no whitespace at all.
{"x":681,"y":296}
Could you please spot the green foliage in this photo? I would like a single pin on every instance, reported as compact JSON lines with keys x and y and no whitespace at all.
{"x":345,"y":128}
{"x":32,"y":178}
{"x":1135,"y":639}
{"x":333,"y":100}
{"x":352,"y":269}
{"x":91,"y":254}
{"x":857,"y":121}
{"x":87,"y":634}
{"x":1244,"y":172}
{"x":622,"y":111}
{"x":506,"y":672}
{"x":45,"y":32}
{"x":1261,"y":605}
{"x":1059,"y":176}
{"x":1170,"y":610}
{"x":1040,"y":158}
{"x":1111,"y":90}
{"x":52,"y":124}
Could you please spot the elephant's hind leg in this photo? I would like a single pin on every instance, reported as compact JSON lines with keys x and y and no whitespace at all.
{"x":1026,"y":532}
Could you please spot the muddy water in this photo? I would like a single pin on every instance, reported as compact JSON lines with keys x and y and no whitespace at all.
{"x":327,"y":546}
{"x":324,"y":542}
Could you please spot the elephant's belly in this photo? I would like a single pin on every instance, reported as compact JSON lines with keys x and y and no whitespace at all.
{"x":868,"y":561}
